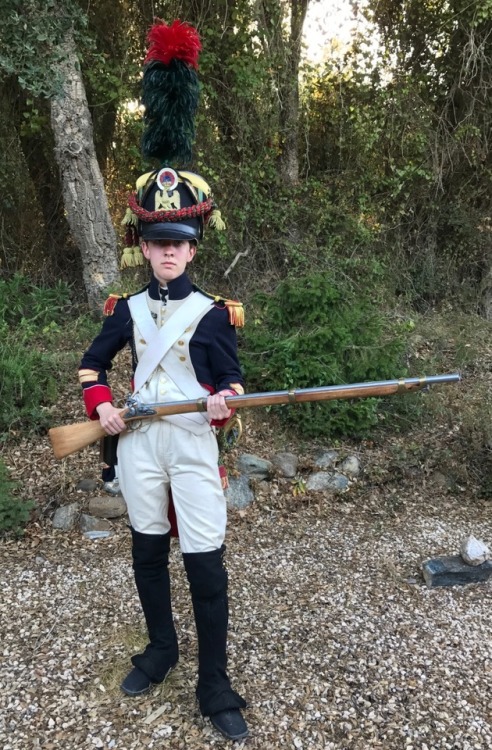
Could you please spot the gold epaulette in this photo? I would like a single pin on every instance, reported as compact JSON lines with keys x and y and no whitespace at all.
{"x":235,"y":310}
{"x":111,"y":301}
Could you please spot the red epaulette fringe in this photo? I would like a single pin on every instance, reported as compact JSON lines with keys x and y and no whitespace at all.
{"x":223,"y":476}
{"x":110,"y":304}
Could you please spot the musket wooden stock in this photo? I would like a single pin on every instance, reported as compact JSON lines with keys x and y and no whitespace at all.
{"x":73,"y":437}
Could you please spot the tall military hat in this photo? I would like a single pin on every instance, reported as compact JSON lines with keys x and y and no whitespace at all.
{"x":169,"y":202}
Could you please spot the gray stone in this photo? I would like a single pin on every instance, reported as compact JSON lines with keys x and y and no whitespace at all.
{"x":87,"y":485}
{"x":474,"y":551}
{"x":97,"y":535}
{"x":255,"y":467}
{"x":286,"y":463}
{"x":452,"y":571}
{"x":440,"y":481}
{"x":107,"y":507}
{"x":66,"y":516}
{"x":350,"y":466}
{"x":326,"y":459}
{"x":89,"y":523}
{"x":327,"y":481}
{"x":239,"y":494}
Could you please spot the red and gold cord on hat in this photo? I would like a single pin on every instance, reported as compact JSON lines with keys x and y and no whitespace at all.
{"x":178,"y":214}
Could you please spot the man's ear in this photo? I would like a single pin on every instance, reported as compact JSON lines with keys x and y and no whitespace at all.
{"x":145,"y":249}
{"x":193,"y":249}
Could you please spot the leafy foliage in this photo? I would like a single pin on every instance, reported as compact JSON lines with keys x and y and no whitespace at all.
{"x":27,"y":384}
{"x":32,"y":326}
{"x":402,"y":128}
{"x":317,"y":330}
{"x":30,"y":37}
{"x":25,"y":305}
{"x":14,"y":512}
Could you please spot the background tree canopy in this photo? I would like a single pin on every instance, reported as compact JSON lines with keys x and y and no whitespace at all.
{"x":370,"y":171}
{"x":380,"y":155}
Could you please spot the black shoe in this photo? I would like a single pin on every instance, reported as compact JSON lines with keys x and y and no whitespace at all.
{"x":136,"y":683}
{"x":230,"y":724}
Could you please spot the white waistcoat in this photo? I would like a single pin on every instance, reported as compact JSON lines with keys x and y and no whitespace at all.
{"x":167,"y":372}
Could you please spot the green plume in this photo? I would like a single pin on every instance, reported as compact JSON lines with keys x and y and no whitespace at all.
{"x":170,"y":95}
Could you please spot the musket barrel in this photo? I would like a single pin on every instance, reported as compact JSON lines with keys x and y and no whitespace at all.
{"x":71,"y":438}
{"x":303,"y":395}
{"x":332,"y":392}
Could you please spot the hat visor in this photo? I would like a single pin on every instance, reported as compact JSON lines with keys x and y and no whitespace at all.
{"x":169,"y":231}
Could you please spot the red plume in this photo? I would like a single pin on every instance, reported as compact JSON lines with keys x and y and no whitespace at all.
{"x":179,"y":41}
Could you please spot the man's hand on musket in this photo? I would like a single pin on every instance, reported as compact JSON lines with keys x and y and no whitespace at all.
{"x":110,"y":418}
{"x":217,"y":408}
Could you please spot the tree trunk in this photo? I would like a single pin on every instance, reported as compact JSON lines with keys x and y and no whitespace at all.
{"x":486,"y":287}
{"x":83,"y":188}
{"x":289,"y":96}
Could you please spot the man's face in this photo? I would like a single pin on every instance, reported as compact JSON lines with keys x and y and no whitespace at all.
{"x":168,"y":258}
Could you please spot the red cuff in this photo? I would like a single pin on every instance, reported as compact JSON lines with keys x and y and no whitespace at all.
{"x":222,"y":422}
{"x":95,"y":395}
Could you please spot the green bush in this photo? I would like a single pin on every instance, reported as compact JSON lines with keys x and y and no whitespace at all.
{"x":32,"y":307}
{"x":14,"y":512}
{"x":28,"y":382}
{"x":315,"y":331}
{"x":37,"y":326}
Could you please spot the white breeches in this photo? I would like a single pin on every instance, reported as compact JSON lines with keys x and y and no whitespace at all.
{"x":160,"y":456}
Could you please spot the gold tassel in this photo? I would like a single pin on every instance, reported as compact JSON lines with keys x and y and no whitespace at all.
{"x":138,"y":258}
{"x":129,"y":218}
{"x":216,"y":221}
{"x":127,"y":260}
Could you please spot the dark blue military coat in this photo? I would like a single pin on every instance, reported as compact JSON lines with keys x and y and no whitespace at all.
{"x":212,"y":347}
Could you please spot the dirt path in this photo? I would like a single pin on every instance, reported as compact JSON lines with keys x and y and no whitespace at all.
{"x":334,"y":639}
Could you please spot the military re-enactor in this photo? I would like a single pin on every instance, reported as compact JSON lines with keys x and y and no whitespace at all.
{"x":183,"y":345}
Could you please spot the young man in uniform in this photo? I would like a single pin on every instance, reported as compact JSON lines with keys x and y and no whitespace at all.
{"x":184,"y":346}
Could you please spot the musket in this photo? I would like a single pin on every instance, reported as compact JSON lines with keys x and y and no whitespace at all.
{"x":71,"y":438}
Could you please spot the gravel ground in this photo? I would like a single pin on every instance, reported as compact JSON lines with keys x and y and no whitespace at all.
{"x":335,"y":641}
